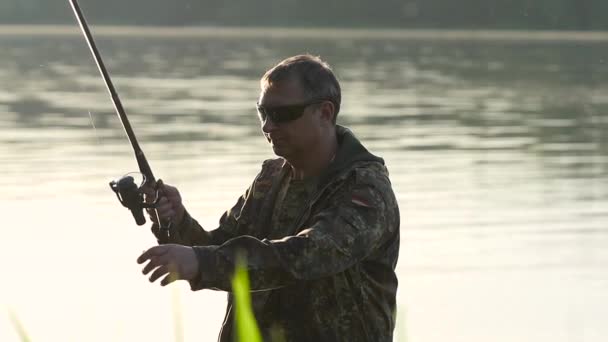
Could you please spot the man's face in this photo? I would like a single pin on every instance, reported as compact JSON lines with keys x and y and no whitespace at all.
{"x":296,"y":125}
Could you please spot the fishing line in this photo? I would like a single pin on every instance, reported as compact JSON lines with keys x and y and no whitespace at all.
{"x":94,"y":128}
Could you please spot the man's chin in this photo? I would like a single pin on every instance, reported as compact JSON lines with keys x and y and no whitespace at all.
{"x":280,"y":152}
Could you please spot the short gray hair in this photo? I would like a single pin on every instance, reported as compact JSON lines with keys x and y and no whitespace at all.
{"x":315,"y":76}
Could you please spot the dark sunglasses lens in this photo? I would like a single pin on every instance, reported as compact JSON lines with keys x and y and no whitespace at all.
{"x":281,"y":115}
{"x":286,"y":114}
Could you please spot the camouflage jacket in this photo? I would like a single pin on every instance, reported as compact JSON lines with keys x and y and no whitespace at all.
{"x":328,"y":277}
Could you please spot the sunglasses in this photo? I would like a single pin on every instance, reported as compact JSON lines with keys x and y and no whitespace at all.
{"x":283,"y":114}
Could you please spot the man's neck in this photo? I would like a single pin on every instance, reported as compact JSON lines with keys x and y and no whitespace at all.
{"x":315,"y":161}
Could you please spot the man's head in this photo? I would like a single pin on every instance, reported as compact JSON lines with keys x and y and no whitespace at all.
{"x":314,"y":76}
{"x":298,"y":105}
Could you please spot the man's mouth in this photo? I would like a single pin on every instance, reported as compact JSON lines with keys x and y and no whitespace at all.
{"x":275,"y":140}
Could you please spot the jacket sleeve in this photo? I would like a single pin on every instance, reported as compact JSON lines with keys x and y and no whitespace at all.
{"x":358,"y":221}
{"x":190,"y":233}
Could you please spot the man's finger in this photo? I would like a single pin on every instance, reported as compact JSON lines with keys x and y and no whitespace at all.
{"x":152,"y":215}
{"x":159,"y":272}
{"x":152,"y":252}
{"x":154,"y":263}
{"x":164,"y":205}
{"x":173,"y":197}
{"x":149,"y":193}
{"x":173,"y":276}
{"x":162,"y":201}
{"x":168,"y":190}
{"x":164,"y":215}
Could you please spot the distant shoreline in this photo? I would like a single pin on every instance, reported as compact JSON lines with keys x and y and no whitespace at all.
{"x":309,"y":33}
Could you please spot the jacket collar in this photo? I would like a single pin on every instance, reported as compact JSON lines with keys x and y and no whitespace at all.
{"x":350,"y":151}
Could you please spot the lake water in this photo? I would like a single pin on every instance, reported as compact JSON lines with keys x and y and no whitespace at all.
{"x":497,"y":148}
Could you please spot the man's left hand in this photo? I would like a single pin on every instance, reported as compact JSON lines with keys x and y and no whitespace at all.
{"x":179,"y":262}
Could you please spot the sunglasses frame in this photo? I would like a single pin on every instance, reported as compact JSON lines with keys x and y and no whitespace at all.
{"x":284,"y":114}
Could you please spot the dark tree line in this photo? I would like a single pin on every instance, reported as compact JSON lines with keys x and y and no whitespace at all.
{"x":493,"y":14}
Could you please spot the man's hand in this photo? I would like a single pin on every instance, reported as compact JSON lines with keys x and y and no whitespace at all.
{"x":169,"y":206}
{"x":179,"y":262}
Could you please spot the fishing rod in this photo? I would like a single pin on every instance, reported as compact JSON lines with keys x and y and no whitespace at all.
{"x":126,"y":190}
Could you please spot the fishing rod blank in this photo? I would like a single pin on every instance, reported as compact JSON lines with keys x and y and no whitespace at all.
{"x":126,"y":190}
{"x":142,"y":162}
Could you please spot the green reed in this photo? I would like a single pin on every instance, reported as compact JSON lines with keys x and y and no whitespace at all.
{"x":246,"y":326}
{"x":18,"y":326}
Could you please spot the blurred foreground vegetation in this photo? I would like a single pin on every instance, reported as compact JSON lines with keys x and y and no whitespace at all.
{"x":469,"y":14}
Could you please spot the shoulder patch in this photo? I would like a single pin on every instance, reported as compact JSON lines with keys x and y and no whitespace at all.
{"x":363,"y":197}
{"x":360,"y":201}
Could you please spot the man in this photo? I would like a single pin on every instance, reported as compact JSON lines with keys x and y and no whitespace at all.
{"x":319,"y":226}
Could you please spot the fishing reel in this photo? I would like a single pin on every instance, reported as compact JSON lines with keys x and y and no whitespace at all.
{"x":130,"y":196}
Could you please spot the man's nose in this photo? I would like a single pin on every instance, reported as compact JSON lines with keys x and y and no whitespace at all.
{"x":268,"y":126}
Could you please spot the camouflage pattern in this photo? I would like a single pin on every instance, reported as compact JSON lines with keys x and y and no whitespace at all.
{"x":324,"y":271}
{"x":291,"y":200}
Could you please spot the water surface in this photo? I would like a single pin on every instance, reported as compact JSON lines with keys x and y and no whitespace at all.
{"x":498,"y":153}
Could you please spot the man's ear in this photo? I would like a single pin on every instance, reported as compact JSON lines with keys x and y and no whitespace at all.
{"x":328,"y":111}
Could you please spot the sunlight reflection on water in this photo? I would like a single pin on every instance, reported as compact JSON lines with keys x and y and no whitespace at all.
{"x":497,"y":153}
